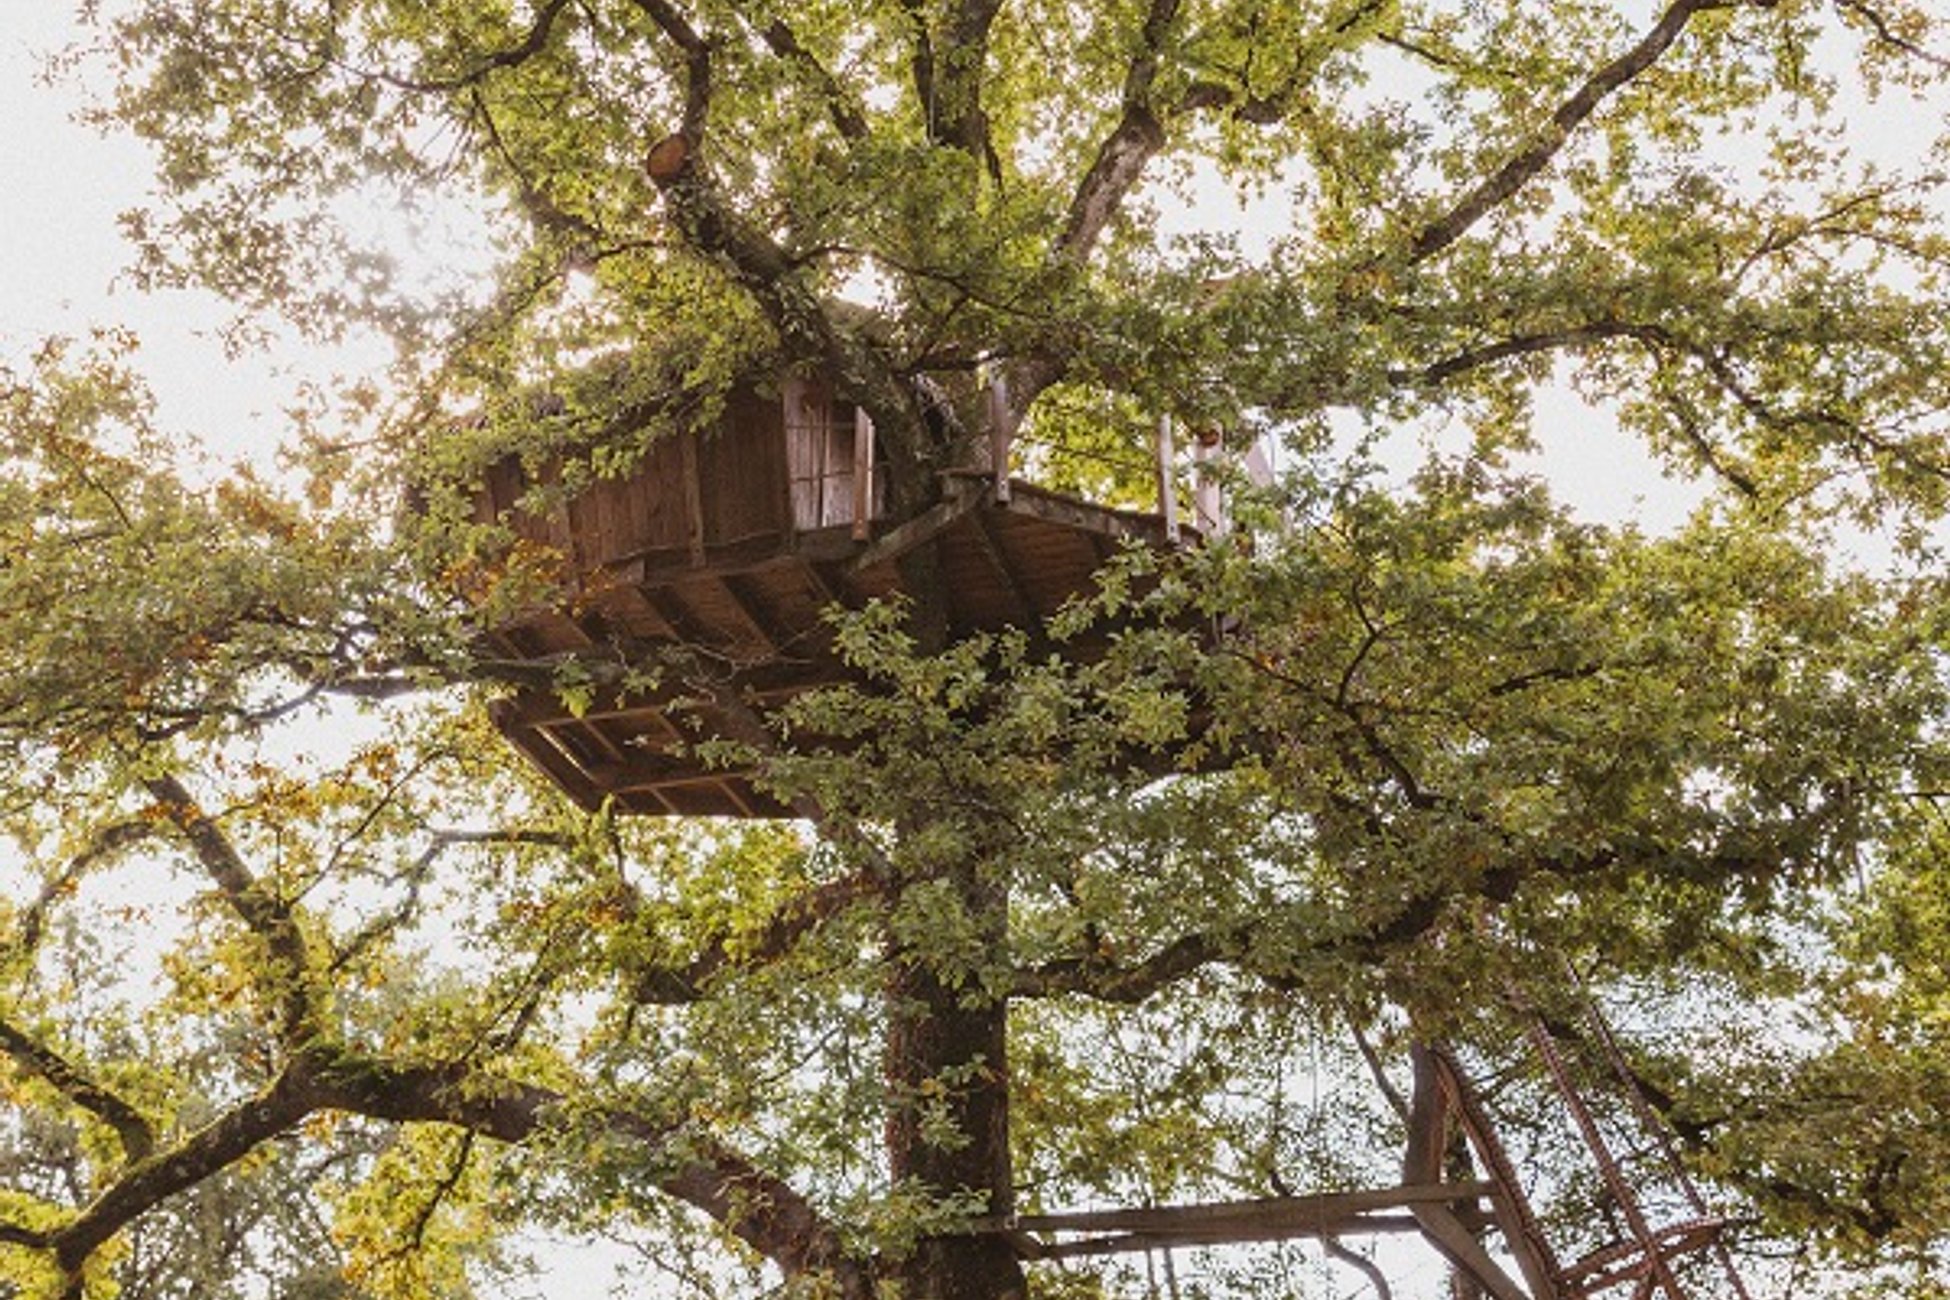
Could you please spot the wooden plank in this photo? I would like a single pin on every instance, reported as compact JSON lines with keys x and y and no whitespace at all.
{"x":1460,"y":1247}
{"x":1167,"y":492}
{"x":559,"y":767}
{"x":791,"y":394}
{"x":1169,"y":1218}
{"x":693,"y":495}
{"x":862,"y":475}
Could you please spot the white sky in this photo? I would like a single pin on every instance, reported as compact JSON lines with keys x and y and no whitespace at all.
{"x":62,"y":186}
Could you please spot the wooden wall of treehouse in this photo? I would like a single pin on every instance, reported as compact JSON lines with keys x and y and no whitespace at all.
{"x":774,"y":467}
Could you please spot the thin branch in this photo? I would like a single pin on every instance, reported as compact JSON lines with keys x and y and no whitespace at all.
{"x":845,"y":112}
{"x":449,"y":1181}
{"x":1361,"y":1264}
{"x":415,"y":875}
{"x":104,"y":842}
{"x":1391,"y":1093}
{"x":1887,"y":34}
{"x":793,"y":921}
{"x":1572,"y":113}
{"x":530,"y":45}
{"x":1661,"y":341}
{"x":536,"y":201}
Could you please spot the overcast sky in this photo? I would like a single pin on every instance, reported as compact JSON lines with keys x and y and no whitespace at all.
{"x":62,"y":186}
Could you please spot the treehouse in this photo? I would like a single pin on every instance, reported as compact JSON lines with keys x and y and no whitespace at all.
{"x":710,"y":563}
{"x":715,"y":555}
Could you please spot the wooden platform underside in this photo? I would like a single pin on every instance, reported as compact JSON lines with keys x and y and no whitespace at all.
{"x":744,"y":630}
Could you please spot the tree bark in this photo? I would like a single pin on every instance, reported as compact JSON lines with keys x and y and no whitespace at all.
{"x":947,"y":1053}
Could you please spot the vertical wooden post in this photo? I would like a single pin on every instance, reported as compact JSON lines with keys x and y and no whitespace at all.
{"x":1208,"y":497}
{"x":862,"y":475}
{"x":1523,"y":1236}
{"x":792,"y":401}
{"x":1001,"y":433}
{"x":1167,"y":498}
{"x":693,"y":493}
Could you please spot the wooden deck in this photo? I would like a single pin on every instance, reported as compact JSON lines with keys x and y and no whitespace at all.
{"x":739,"y":626}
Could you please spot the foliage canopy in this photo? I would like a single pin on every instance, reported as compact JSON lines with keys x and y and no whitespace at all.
{"x":1057,"y":931}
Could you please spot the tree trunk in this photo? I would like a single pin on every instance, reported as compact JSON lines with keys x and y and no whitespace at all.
{"x":947,"y":1041}
{"x":947,"y":1054}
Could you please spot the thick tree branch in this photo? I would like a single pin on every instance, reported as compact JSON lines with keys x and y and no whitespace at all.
{"x":1572,"y":113}
{"x":1107,"y":981}
{"x":1131,"y":144}
{"x":37,"y":1058}
{"x":204,"y":1153}
{"x":956,"y":115}
{"x":758,"y":1208}
{"x":695,"y":51}
{"x":286,"y":980}
{"x":1410,"y":922}
{"x":709,"y":224}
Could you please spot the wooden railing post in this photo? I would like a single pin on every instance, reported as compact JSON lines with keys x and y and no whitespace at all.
{"x":862,"y":475}
{"x":1001,"y":433}
{"x":1208,"y":494}
{"x":1167,"y":497}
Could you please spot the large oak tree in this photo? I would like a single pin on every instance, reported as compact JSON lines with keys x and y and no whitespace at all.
{"x":1053,"y":932}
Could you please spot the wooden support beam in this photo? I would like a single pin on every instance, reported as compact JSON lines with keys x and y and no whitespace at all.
{"x":1459,"y":1246}
{"x":1021,"y":607}
{"x":632,"y":611}
{"x":1002,"y":432}
{"x":589,"y":734}
{"x":761,"y":627}
{"x":1316,"y":1207}
{"x":683,"y":621}
{"x":556,"y":764}
{"x":1523,"y":1236}
{"x":1208,"y":494}
{"x":1353,"y":1226}
{"x":905,"y":537}
{"x":1120,"y":525}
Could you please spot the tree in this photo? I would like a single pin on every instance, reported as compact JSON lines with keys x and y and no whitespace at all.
{"x":1056,"y":930}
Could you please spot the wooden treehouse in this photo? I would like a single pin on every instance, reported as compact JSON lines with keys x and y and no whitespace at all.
{"x":723,"y":546}
{"x":720,"y":550}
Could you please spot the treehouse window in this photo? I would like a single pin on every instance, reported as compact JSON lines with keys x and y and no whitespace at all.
{"x":830,"y":458}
